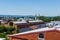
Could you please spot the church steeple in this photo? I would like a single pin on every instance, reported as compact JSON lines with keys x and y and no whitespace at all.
{"x":35,"y":16}
{"x":39,"y":14}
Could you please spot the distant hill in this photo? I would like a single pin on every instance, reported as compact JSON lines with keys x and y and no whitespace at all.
{"x":12,"y":16}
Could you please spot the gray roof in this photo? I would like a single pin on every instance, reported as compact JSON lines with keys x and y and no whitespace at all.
{"x":25,"y":29}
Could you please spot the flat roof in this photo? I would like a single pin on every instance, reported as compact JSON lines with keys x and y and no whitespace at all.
{"x":34,"y":21}
{"x":19,"y":22}
{"x":29,"y":24}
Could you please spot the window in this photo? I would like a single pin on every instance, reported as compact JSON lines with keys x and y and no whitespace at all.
{"x":41,"y":35}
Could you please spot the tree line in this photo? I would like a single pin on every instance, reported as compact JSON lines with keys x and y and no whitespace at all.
{"x":48,"y":19}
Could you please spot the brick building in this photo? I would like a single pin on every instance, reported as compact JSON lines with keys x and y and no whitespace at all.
{"x":49,"y":34}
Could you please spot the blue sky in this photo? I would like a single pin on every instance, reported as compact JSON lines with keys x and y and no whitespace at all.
{"x":30,"y":7}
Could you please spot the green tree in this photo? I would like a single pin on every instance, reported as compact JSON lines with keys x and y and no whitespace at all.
{"x":10,"y":29}
{"x":2,"y":35}
{"x":45,"y":19}
{"x":57,"y":18}
{"x":2,"y":29}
